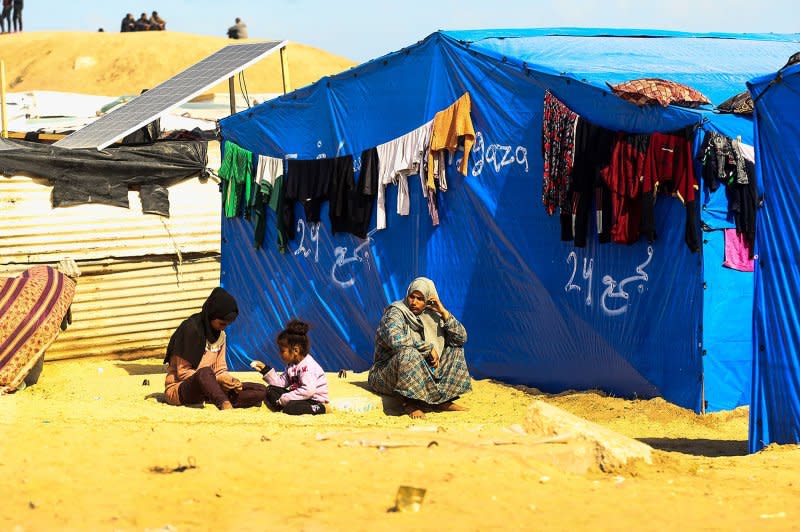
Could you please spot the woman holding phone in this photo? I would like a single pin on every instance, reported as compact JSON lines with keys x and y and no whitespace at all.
{"x":419,"y":353}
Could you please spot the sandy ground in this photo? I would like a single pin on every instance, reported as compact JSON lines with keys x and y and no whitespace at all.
{"x":91,"y":448}
{"x":114,"y":64}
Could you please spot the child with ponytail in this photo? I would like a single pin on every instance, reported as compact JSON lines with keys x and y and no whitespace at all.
{"x":303,"y":387}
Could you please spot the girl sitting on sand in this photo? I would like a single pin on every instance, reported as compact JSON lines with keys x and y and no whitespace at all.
{"x":303,"y":387}
{"x":197,"y":370}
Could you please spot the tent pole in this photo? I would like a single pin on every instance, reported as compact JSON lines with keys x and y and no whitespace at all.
{"x":287,"y":83}
{"x":703,"y":395}
{"x":232,"y":95}
{"x":3,"y":98}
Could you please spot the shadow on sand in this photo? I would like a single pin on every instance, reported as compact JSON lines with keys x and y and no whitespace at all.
{"x":142,"y":369}
{"x":392,"y":406}
{"x":698,"y":447}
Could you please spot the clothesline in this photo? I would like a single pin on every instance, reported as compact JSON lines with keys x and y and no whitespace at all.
{"x":281,"y":183}
{"x":619,"y":175}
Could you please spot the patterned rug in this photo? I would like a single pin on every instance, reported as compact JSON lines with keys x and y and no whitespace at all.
{"x":649,"y":91}
{"x":32,"y":306}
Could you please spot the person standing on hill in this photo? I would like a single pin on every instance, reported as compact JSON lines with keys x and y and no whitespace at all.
{"x":128,"y":24}
{"x":5,"y":17}
{"x":238,"y":30}
{"x":17,"y":16}
{"x":157,"y":23}
{"x":142,"y":24}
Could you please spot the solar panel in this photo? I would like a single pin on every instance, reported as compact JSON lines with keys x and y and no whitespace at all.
{"x":179,"y":89}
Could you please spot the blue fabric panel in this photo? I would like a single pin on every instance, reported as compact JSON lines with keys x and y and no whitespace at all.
{"x":319,"y":120}
{"x":629,"y":325}
{"x":775,"y":410}
{"x":515,"y":33}
{"x":727,"y":328}
{"x":719,"y":68}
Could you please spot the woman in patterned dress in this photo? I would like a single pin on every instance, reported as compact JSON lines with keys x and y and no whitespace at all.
{"x":419,"y":353}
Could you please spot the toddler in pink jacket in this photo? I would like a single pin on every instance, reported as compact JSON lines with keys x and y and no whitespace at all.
{"x":303,"y":387}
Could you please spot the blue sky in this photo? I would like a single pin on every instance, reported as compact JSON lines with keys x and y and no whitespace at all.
{"x":361,"y":30}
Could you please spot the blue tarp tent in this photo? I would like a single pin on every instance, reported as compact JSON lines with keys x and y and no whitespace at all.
{"x":775,"y":409}
{"x":626,"y":319}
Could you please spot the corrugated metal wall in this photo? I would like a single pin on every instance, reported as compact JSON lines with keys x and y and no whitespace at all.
{"x":141,"y":274}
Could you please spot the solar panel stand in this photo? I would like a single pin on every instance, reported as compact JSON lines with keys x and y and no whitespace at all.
{"x":232,"y":95}
{"x":3,"y":109}
{"x":287,"y":82}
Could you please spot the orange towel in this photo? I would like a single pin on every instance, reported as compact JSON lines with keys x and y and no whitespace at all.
{"x":448,"y":126}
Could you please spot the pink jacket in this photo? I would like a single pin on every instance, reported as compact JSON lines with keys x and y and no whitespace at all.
{"x":304,"y":380}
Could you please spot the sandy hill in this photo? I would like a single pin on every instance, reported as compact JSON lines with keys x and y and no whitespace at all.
{"x":124,"y":63}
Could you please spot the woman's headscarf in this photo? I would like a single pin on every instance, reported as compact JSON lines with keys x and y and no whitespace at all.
{"x":190,"y":338}
{"x":426,"y":326}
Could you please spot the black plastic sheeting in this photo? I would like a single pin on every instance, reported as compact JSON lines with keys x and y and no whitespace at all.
{"x":87,"y":175}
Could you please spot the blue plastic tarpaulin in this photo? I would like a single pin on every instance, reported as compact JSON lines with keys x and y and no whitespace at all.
{"x":775,"y":408}
{"x":538,"y":311}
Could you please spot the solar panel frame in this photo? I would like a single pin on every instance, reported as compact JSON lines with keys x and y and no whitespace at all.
{"x":175,"y":91}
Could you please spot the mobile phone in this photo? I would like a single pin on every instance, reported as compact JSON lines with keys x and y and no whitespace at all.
{"x":431,"y":302}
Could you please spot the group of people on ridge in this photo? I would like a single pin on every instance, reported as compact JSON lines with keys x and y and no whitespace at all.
{"x":419,"y":358}
{"x":154,"y":23}
{"x":11,"y":16}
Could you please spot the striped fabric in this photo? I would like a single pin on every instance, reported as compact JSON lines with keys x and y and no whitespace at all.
{"x":32,"y":307}
{"x":399,"y":367}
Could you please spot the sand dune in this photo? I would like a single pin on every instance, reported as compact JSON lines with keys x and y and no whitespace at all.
{"x":124,"y":63}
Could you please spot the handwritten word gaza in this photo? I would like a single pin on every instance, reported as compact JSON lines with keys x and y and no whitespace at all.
{"x":497,"y":155}
{"x":614,"y":300}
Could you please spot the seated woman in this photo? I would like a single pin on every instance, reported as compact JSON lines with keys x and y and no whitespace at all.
{"x":196,"y":356}
{"x":419,"y":353}
{"x":33,"y":307}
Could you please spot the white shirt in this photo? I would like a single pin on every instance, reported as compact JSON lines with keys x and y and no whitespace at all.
{"x":398,"y":159}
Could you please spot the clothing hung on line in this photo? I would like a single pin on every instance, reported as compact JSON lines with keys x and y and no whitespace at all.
{"x":440,"y":162}
{"x":632,"y":202}
{"x":236,"y":172}
{"x":351,"y":209}
{"x":449,"y":125}
{"x":724,"y":160}
{"x":558,"y":152}
{"x":738,"y":252}
{"x":268,"y":170}
{"x":309,"y":182}
{"x":400,"y":158}
{"x":266,"y":191}
{"x":729,"y":163}
{"x":670,"y":169}
{"x":593,"y":146}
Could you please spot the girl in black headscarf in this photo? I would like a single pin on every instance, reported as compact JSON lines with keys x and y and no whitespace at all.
{"x":196,"y":356}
